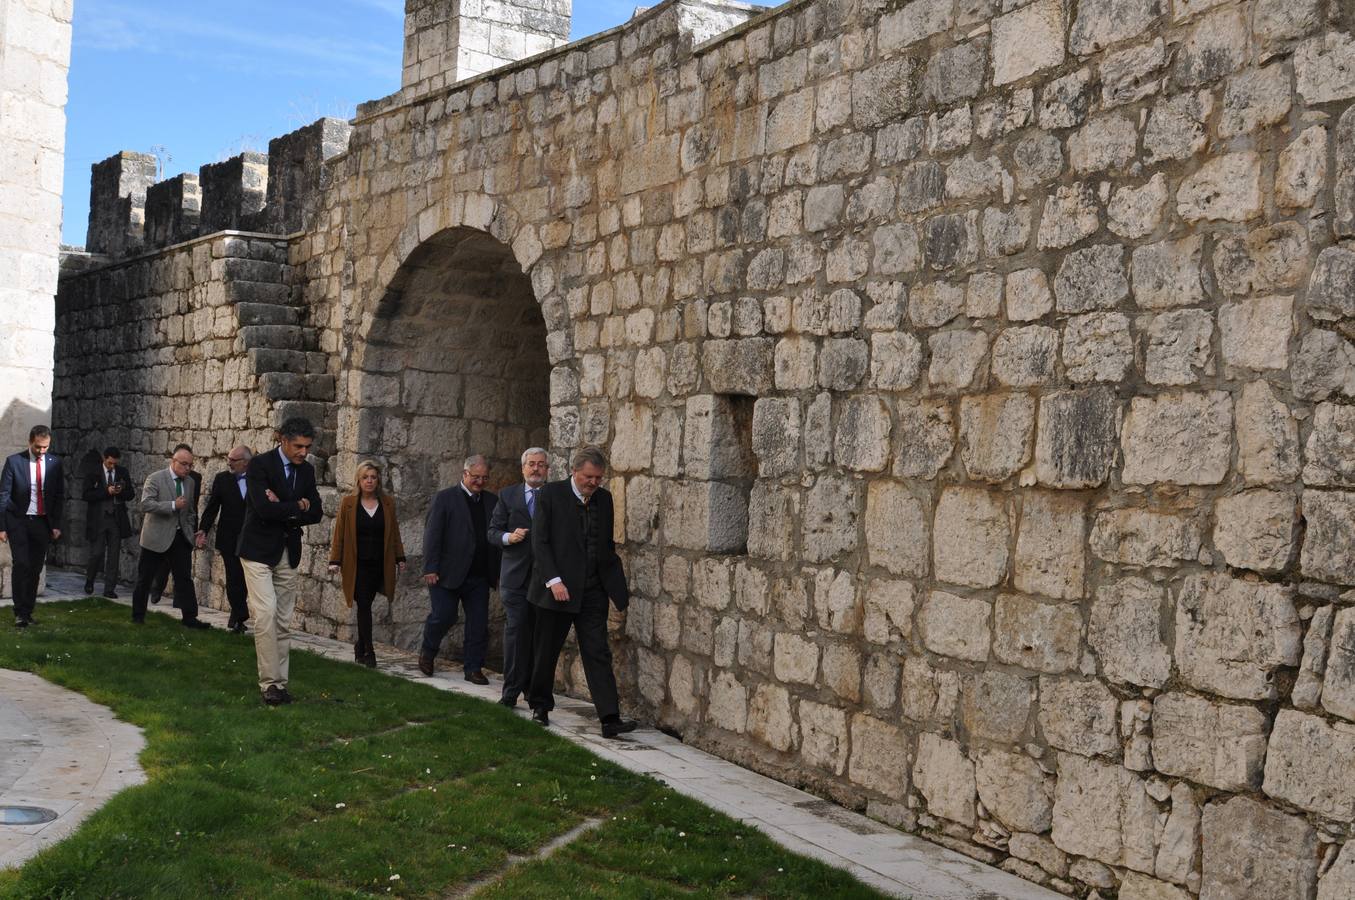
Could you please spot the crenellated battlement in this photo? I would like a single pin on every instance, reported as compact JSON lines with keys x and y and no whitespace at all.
{"x":274,"y":193}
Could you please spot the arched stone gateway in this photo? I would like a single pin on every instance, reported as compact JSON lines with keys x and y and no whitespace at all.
{"x":449,"y":360}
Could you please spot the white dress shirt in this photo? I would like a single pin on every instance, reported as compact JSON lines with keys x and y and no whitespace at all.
{"x":33,"y":484}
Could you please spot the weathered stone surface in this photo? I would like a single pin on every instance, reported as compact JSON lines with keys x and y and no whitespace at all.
{"x":1255,"y":333}
{"x":742,"y":366}
{"x":1091,"y":278}
{"x":1180,"y":347}
{"x":995,"y":435}
{"x":1251,"y":850}
{"x":1323,"y":366}
{"x":1307,"y":692}
{"x":1256,"y":529}
{"x":955,"y":626}
{"x":1268,"y":259}
{"x":897,"y":529}
{"x":837,"y":601}
{"x":1025,"y":357}
{"x":776,"y":435}
{"x":1219,"y":744}
{"x":1331,"y":289}
{"x":1216,"y":46}
{"x":879,"y":759}
{"x":842,"y":363}
{"x":1324,"y":68}
{"x":1065,"y":100}
{"x":861,"y":440}
{"x":1042,"y":637}
{"x":1302,"y":169}
{"x":1141,"y":887}
{"x":1267,"y":436}
{"x":1329,"y":543}
{"x":1136,"y":211}
{"x":1015,"y":790}
{"x":933,"y":305}
{"x":1027,"y":40}
{"x":1339,"y":881}
{"x":1225,"y":188}
{"x":1231,"y":635}
{"x":1178,"y":852}
{"x":769,"y":717}
{"x":1049,"y":547}
{"x":945,"y":777}
{"x":924,"y":439}
{"x":1028,"y":295}
{"x":1143,"y":537}
{"x":1177,"y":127}
{"x":895,"y":361}
{"x":1102,"y":811}
{"x":957,"y":358}
{"x":1167,"y":274}
{"x":823,"y":736}
{"x":1338,"y":683}
{"x":1097,"y":347}
{"x":1306,"y":764}
{"x":970,"y":536}
{"x":1126,"y":632}
{"x":1070,"y":215}
{"x":1077,"y":438}
{"x":889,"y":611}
{"x":1100,"y":23}
{"x":1079,"y":716}
{"x":832,"y":511}
{"x":1104,"y":142}
{"x":1181,"y":438}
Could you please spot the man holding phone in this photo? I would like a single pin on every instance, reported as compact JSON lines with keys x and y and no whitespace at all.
{"x":106,"y":491}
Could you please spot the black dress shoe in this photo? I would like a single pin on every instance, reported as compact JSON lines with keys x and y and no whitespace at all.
{"x":426,"y":665}
{"x":138,"y":620}
{"x":237,"y":628}
{"x":89,"y":588}
{"x":21,"y":623}
{"x":477,"y":677}
{"x":541,"y":717}
{"x":155,"y":599}
{"x":618,"y":727}
{"x":510,"y":703}
{"x":110,"y":594}
{"x":274,"y":696}
{"x":369,"y":660}
{"x":195,"y":623}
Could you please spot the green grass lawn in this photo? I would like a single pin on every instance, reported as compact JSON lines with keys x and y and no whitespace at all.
{"x":368,"y":784}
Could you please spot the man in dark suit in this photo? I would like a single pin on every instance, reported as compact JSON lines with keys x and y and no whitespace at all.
{"x":510,"y":527}
{"x":107,"y":524}
{"x":161,"y":580}
{"x":281,"y":499}
{"x":460,"y":565}
{"x":227,"y":500}
{"x":575,"y":570}
{"x":32,"y":494}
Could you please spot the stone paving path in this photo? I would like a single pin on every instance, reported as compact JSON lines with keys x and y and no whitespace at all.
{"x":893,"y":862}
{"x":60,"y":752}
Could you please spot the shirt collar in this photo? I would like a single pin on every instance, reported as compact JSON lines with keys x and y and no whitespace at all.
{"x":287,"y":463}
{"x":465,"y":490}
{"x":575,"y":488}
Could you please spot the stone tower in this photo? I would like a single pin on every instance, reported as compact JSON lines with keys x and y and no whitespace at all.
{"x":447,"y":41}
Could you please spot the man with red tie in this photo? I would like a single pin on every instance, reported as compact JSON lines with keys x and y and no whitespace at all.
{"x":32,"y":494}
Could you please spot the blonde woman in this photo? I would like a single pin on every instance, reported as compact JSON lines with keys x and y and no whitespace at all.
{"x":368,"y":551}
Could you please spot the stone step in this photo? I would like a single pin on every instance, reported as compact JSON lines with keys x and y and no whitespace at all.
{"x":267,"y":314}
{"x":278,"y":337}
{"x":291,"y":386}
{"x":265,"y":360}
{"x":243,"y":270}
{"x":273,"y":292}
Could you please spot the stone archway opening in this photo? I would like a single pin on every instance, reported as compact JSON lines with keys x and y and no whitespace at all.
{"x":454,"y":362}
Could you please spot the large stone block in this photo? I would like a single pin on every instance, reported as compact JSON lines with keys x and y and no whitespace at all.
{"x":773,"y":521}
{"x":861,"y":439}
{"x":1078,"y":437}
{"x":995,"y":706}
{"x":1338,"y":685}
{"x":995,"y":435}
{"x":1180,"y":347}
{"x":1015,"y":790}
{"x":1103,"y":811}
{"x":1233,"y":634}
{"x":1268,"y":436}
{"x":705,"y":515}
{"x":1330,"y":452}
{"x":832,"y":518}
{"x":955,"y":626}
{"x":879,"y":760}
{"x":1091,"y":278}
{"x":1143,"y":537}
{"x":1079,"y":716}
{"x":1167,"y":274}
{"x":1025,"y":357}
{"x":1255,"y":333}
{"x":633,"y":443}
{"x":1256,"y":529}
{"x":1178,"y":438}
{"x":1225,"y":188}
{"x":1251,"y":850}
{"x":924,"y":439}
{"x":898,"y":529}
{"x":945,"y":777}
{"x":1329,"y":542}
{"x":1219,"y":744}
{"x":1049,"y":546}
{"x":741,"y":366}
{"x":1042,"y":637}
{"x":1126,"y":632}
{"x":1100,"y":23}
{"x":889,"y":609}
{"x":971,"y":532}
{"x":823,"y":736}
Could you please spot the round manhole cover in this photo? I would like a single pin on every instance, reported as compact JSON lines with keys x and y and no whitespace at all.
{"x":25,"y":815}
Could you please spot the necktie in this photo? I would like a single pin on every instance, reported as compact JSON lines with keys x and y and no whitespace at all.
{"x":42,"y":506}
{"x":110,"y":477}
{"x":178,"y":487}
{"x":531,"y":502}
{"x":291,"y":477}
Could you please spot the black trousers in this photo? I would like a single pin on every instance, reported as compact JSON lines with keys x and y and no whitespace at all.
{"x":104,"y":548}
{"x":519,"y":621}
{"x":367,"y":582}
{"x":237,"y":595}
{"x":590,"y":628}
{"x":30,"y":537}
{"x":179,"y":557}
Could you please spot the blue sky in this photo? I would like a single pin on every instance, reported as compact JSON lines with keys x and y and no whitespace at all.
{"x":198,"y":82}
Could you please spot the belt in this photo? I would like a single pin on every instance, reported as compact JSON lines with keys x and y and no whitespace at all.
{"x":42,"y":516}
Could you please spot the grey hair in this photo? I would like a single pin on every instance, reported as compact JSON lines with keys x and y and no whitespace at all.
{"x":585,"y":455}
{"x":475,"y":459}
{"x":534,"y":451}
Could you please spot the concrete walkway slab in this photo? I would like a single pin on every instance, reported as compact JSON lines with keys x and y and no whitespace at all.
{"x":893,"y":862}
{"x":58,"y":751}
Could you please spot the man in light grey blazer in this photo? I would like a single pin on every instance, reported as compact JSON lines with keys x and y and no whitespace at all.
{"x":170,"y":506}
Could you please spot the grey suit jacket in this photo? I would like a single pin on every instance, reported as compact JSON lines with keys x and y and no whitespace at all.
{"x":161,"y":518}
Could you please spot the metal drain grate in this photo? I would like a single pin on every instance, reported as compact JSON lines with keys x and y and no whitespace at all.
{"x":25,"y":815}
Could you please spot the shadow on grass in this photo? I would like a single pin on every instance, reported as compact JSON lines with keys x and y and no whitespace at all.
{"x":368,"y":784}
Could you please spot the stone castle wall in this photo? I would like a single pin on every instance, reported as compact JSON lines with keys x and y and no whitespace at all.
{"x":977,"y":381}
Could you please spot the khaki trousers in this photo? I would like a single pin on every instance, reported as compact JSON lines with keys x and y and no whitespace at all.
{"x":272,"y":600}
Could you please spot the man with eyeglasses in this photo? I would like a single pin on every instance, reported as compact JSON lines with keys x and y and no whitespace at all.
{"x":227,"y":500}
{"x":169,"y":504}
{"x":281,"y":499}
{"x":161,"y":580}
{"x":460,"y":565}
{"x":32,"y":494}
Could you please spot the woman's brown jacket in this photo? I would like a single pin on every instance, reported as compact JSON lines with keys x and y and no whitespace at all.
{"x":343,"y":549}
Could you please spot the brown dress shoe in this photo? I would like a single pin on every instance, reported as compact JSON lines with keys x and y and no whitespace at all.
{"x":426,"y":665}
{"x":477,"y":677}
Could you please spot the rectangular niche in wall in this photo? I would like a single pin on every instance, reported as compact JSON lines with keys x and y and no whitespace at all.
{"x":718,"y":462}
